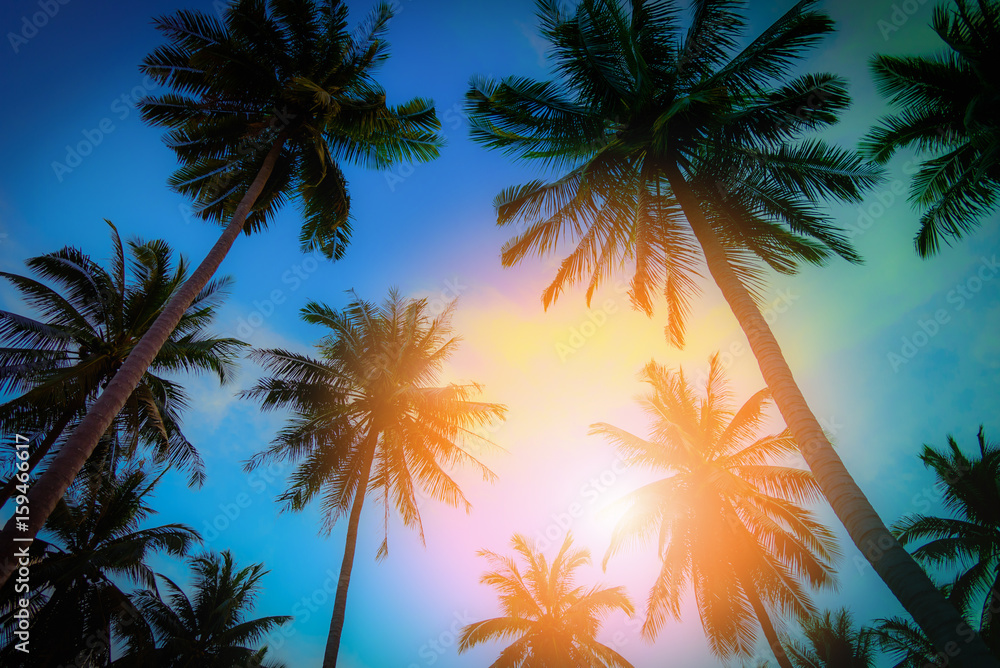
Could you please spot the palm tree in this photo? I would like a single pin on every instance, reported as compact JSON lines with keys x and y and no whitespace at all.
{"x":93,"y":545}
{"x":728,"y":518}
{"x":948,"y":110}
{"x":832,"y":641}
{"x":552,"y":621}
{"x":969,"y":539}
{"x":265,"y":104}
{"x":905,"y":643}
{"x":212,"y":628}
{"x":90,"y":322}
{"x":680,"y":148}
{"x":367,"y":418}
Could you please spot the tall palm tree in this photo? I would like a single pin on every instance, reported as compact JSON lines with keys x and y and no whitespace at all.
{"x":89,"y":322}
{"x":728,"y":517}
{"x":551,"y":620}
{"x":266,"y":103}
{"x":212,"y":628}
{"x":369,"y":419}
{"x":679,"y":148}
{"x":832,"y":641}
{"x":948,"y":109}
{"x":93,"y":545}
{"x":967,"y":541}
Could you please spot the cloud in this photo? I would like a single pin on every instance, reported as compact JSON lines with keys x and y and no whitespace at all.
{"x":539,"y":44}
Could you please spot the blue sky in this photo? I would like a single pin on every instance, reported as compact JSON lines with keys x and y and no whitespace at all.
{"x":70,"y":86}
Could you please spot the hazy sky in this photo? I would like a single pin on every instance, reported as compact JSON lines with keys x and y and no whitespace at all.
{"x":75,"y":153}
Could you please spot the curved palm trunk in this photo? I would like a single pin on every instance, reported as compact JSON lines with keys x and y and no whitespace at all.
{"x":344,"y":581}
{"x":51,"y":486}
{"x":900,"y":572}
{"x":38,"y":455}
{"x":770,"y":634}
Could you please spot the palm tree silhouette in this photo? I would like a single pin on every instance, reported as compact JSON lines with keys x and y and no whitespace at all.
{"x":678,"y":148}
{"x":265,"y":103}
{"x":552,"y":621}
{"x":88,"y":325}
{"x":212,"y":628}
{"x":728,"y":518}
{"x":905,"y":643}
{"x":93,"y":544}
{"x":368,"y":418}
{"x":969,"y":539}
{"x":832,"y":641}
{"x":947,"y":107}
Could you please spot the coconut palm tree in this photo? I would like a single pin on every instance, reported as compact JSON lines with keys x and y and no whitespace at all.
{"x":551,"y":620}
{"x":57,"y":364}
{"x":212,"y":628}
{"x":947,"y":111}
{"x":964,"y":546}
{"x":728,"y":517}
{"x":678,"y":147}
{"x":905,"y":644}
{"x":266,"y":102}
{"x":92,"y":547}
{"x":832,"y":641}
{"x":369,"y":419}
{"x":968,"y":540}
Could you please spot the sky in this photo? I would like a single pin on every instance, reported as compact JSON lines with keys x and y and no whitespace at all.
{"x":891,"y":354}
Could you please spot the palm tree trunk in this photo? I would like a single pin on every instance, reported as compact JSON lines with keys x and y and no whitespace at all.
{"x":770,"y":634}
{"x":51,"y":486}
{"x":906,"y":580}
{"x":38,"y":455}
{"x":344,"y":581}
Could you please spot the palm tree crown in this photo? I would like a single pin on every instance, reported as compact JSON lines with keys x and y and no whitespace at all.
{"x":643,"y":109}
{"x":285,"y":73}
{"x":58,"y":364}
{"x":553,"y":621}
{"x":212,"y":628}
{"x":969,"y":539}
{"x":949,"y":109}
{"x":728,"y":519}
{"x":905,"y":643}
{"x":371,"y":396}
{"x":832,"y":641}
